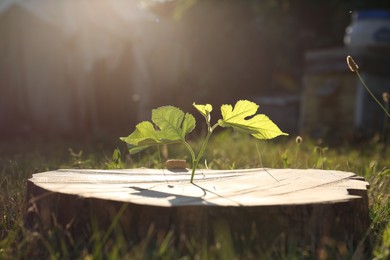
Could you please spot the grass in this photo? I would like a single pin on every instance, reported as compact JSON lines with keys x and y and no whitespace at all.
{"x":20,"y":159}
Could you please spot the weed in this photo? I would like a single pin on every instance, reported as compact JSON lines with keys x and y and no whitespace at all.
{"x":355,"y":68}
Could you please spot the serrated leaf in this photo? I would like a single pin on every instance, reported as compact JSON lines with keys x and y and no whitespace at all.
{"x":145,"y":134}
{"x":172,"y":126}
{"x":266,"y":129}
{"x":259,"y":126}
{"x":143,"y":131}
{"x":205,"y":110}
{"x":172,"y":122}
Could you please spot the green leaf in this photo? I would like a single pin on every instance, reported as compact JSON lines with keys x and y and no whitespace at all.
{"x":172,"y":122}
{"x":172,"y":126}
{"x":205,"y":110}
{"x":143,"y":136}
{"x":266,"y":128}
{"x":259,"y":126}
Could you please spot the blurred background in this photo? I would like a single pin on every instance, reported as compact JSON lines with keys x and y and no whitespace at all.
{"x":82,"y":68}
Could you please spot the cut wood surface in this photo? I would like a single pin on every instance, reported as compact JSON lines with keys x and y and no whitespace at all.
{"x":312,"y":210}
{"x":252,"y":187}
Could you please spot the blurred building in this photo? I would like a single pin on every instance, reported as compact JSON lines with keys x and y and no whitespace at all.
{"x":89,"y":67}
{"x":67,"y":67}
{"x":335,"y":103}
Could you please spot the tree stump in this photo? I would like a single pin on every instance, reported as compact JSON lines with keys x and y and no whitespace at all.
{"x":310,"y":209}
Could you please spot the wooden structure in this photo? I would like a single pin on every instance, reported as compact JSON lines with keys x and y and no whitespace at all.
{"x":310,"y":209}
{"x":98,"y":67}
{"x":67,"y":67}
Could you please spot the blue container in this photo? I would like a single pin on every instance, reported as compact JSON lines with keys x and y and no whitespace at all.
{"x":369,"y":28}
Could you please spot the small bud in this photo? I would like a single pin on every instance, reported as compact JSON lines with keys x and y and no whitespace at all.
{"x":386,"y":97}
{"x":352,"y":64}
{"x":298,"y":140}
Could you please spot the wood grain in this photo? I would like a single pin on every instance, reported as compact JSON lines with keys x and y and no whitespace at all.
{"x":306,"y":207}
{"x":167,"y":188}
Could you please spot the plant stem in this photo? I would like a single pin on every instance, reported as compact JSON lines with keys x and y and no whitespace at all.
{"x":372,"y":95}
{"x":191,"y":152}
{"x":202,"y":149}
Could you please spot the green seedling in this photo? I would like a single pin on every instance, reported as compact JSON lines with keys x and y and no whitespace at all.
{"x":171,"y":125}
